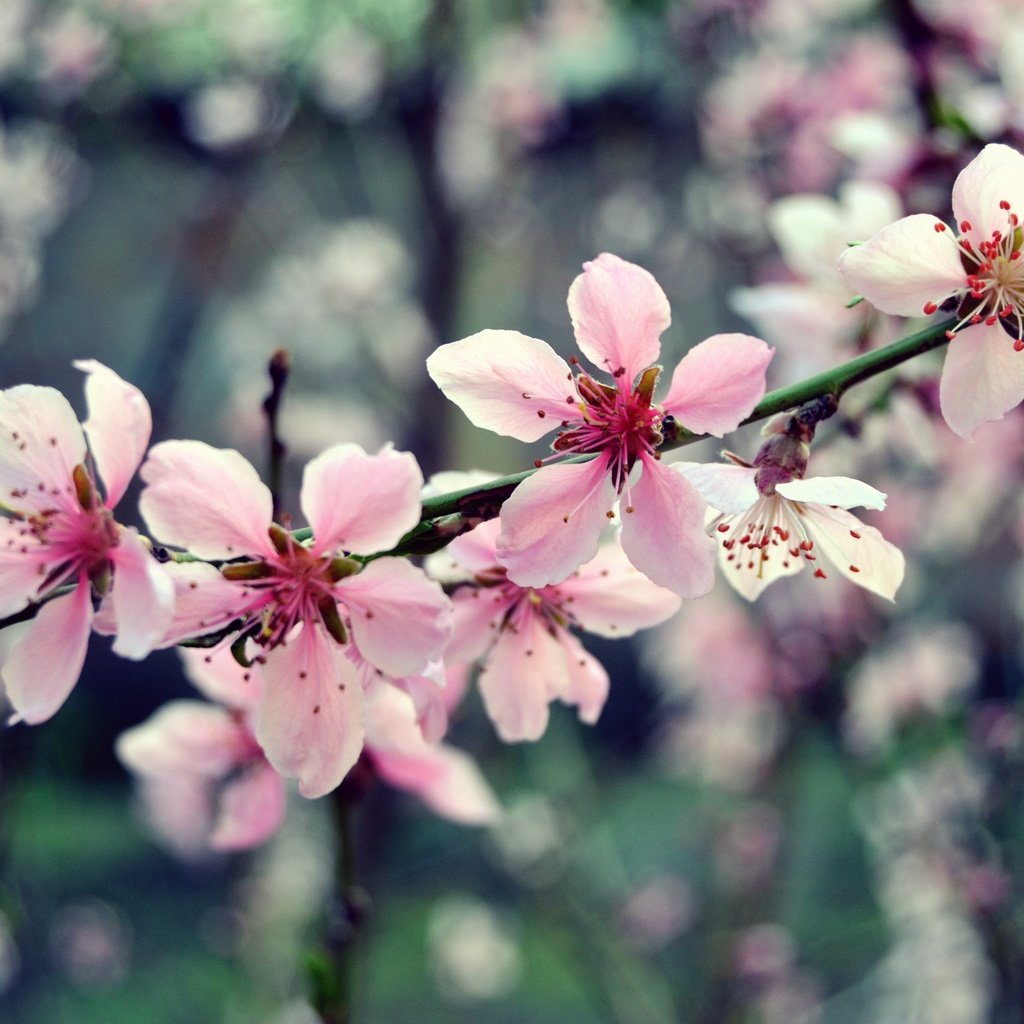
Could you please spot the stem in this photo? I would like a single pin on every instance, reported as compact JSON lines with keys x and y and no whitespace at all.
{"x":277,"y":370}
{"x":331,"y":968}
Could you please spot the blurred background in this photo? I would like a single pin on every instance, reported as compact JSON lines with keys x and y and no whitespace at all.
{"x":805,"y":810}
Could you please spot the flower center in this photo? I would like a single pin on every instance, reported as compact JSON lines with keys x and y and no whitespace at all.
{"x":994,"y":291}
{"x":287,"y":588}
{"x":622,"y":423}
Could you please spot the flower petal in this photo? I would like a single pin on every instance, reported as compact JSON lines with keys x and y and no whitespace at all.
{"x":360,"y":502}
{"x":982,"y":378}
{"x":219,"y":677}
{"x":252,"y":809}
{"x":471,"y":553}
{"x":45,"y":663}
{"x":400,"y":618}
{"x":207,"y":500}
{"x":664,"y":534}
{"x":41,"y":442}
{"x":478,"y":613}
{"x":906,"y":265}
{"x":552,"y":522}
{"x":718,"y":383}
{"x":446,"y":780}
{"x":842,"y":491}
{"x":23,"y":565}
{"x":526,"y":670}
{"x":506,"y":382}
{"x":203,"y":602}
{"x":612,"y":598}
{"x":995,"y":175}
{"x":310,"y":721}
{"x":618,"y":313}
{"x":118,"y":427}
{"x":858,"y":551}
{"x":142,"y":597}
{"x":185,"y":737}
{"x":730,"y":489}
{"x":588,"y":681}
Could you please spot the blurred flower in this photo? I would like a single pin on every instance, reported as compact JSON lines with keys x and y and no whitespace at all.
{"x":927,"y":669}
{"x":530,"y":839}
{"x":658,"y":911}
{"x":805,"y":318}
{"x":91,"y":943}
{"x":72,"y":51}
{"x":473,"y":951}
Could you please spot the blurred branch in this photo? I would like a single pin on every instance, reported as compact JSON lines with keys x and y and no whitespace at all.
{"x":278,"y":369}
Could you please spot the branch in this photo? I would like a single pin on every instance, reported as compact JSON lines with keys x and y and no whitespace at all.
{"x":476,"y":504}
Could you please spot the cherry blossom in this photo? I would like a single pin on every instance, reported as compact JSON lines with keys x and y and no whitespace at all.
{"x":59,"y":533}
{"x":919,"y":264}
{"x":519,"y":386}
{"x":301,"y":606}
{"x":201,"y":760}
{"x":522,"y":634}
{"x":769,"y":528}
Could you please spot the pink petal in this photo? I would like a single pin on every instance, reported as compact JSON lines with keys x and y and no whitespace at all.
{"x":447,"y":780}
{"x":429,"y":702}
{"x":588,"y":681}
{"x":982,"y":379}
{"x":868,"y":559}
{"x":252,"y":809}
{"x":209,"y":501}
{"x":612,"y":598}
{"x":460,"y":793}
{"x":905,"y":266}
{"x":359,"y":502}
{"x":618,"y":313}
{"x":833,"y":490}
{"x":478,"y":613}
{"x":506,"y":382}
{"x":41,"y":442}
{"x":526,"y":670}
{"x":23,"y":563}
{"x":218,"y":676}
{"x":552,"y":522}
{"x":718,"y":383}
{"x":729,"y":489}
{"x":310,"y":721}
{"x":664,"y":536}
{"x":118,"y":427}
{"x":474,"y":552}
{"x":203,"y":602}
{"x":185,"y":737}
{"x":995,"y":175}
{"x":400,"y":619}
{"x":45,"y":663}
{"x":142,"y":597}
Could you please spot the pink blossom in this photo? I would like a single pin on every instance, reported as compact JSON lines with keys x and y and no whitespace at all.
{"x":60,"y":531}
{"x":522,"y":634}
{"x":518,"y":386}
{"x":204,"y":758}
{"x":769,"y":529}
{"x":299,"y":604}
{"x":918,"y":264}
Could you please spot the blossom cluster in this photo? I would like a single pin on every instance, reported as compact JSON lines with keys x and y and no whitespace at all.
{"x":322,"y":646}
